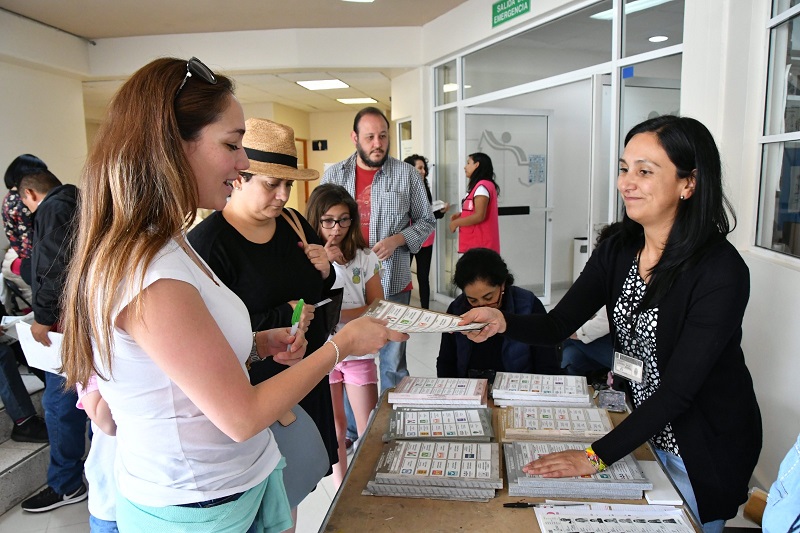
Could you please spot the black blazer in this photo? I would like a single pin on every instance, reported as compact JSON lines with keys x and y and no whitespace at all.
{"x":706,"y":391}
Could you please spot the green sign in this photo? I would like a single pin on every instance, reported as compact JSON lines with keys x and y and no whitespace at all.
{"x":505,"y":10}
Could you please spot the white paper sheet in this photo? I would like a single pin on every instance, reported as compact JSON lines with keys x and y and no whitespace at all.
{"x":47,"y":358}
{"x":663,"y":492}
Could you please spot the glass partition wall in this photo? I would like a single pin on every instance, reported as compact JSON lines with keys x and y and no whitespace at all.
{"x":590,"y":72}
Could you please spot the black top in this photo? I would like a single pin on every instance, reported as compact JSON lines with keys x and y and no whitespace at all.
{"x":51,"y":251}
{"x":266,"y":277}
{"x":458,"y":355}
{"x":705,"y":390}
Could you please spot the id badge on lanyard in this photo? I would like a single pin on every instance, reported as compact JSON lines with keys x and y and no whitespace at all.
{"x":628,"y":367}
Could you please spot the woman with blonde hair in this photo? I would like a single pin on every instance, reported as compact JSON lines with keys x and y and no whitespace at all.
{"x":168,"y":341}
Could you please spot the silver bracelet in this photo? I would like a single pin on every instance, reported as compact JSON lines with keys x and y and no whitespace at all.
{"x":254,"y":350}
{"x":335,"y":347}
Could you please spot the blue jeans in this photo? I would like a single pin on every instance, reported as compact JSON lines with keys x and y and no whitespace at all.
{"x":66,"y":427}
{"x":677,"y":472}
{"x":392,"y":357}
{"x":783,"y":505}
{"x":12,"y":390}
{"x":102,"y":526}
{"x":580,"y":359}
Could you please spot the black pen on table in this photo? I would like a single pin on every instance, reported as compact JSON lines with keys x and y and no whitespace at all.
{"x":523,"y":505}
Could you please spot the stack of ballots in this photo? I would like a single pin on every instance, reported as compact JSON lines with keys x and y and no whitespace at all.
{"x":463,"y":425}
{"x":514,"y":388}
{"x":552,"y":423}
{"x":623,"y":480}
{"x":439,"y":392}
{"x":466,"y":471}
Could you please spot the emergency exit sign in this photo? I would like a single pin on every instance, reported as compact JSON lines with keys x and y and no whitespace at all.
{"x":506,"y":10}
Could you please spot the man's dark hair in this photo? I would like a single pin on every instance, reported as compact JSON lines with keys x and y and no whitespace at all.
{"x":41,"y":181}
{"x":368,"y":111}
{"x":20,"y":166}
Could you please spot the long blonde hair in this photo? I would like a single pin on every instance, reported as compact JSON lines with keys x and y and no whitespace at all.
{"x":138,"y":191}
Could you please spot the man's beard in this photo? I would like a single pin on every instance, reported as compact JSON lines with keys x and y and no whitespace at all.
{"x":364,"y":156}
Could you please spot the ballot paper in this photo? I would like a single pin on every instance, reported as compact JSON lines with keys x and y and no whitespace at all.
{"x":408,"y":319}
{"x":9,"y":324}
{"x":47,"y":358}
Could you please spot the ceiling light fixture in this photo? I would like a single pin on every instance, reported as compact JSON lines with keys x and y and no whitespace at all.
{"x":658,"y":38}
{"x":323,"y":85}
{"x":632,"y":7}
{"x":359,"y":1}
{"x":355,"y":101}
{"x":450,"y":87}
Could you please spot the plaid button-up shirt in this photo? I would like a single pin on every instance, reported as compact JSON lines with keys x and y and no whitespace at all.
{"x":399,"y":205}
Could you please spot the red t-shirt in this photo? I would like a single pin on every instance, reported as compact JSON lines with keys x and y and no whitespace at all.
{"x":364,"y":180}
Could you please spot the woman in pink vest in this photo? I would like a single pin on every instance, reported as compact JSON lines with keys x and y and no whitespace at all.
{"x":478,"y":216}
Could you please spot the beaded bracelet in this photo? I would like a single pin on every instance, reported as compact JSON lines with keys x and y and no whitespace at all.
{"x":597,"y":463}
{"x":335,"y":347}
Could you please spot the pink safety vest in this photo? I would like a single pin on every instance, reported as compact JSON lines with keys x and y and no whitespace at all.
{"x":485,"y":234}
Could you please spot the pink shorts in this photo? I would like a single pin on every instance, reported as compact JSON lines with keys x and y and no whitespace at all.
{"x":355,"y":372}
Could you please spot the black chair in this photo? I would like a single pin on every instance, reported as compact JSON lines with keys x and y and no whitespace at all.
{"x":17,"y":298}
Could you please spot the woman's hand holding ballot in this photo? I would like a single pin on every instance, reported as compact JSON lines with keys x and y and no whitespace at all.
{"x":494,"y":319}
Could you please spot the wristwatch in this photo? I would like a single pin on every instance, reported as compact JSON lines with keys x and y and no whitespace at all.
{"x":254,"y":358}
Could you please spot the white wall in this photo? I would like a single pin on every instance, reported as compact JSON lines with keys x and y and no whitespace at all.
{"x":724,"y":73}
{"x":43,"y":115}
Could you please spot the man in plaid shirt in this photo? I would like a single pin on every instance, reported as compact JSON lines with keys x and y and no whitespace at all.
{"x":396,"y":217}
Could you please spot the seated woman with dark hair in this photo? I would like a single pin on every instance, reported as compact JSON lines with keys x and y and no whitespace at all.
{"x":485,"y":281}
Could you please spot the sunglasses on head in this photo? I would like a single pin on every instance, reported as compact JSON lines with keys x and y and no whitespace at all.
{"x":195,"y":67}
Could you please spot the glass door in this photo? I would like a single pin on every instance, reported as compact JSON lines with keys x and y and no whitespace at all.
{"x":518,"y":142}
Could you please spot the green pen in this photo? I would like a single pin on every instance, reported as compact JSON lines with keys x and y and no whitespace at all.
{"x":298,"y":312}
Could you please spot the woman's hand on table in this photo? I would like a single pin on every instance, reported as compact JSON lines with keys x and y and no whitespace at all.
{"x":569,"y":463}
{"x":493,"y":318}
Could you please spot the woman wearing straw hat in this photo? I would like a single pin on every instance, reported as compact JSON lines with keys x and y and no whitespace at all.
{"x":253,"y":246}
{"x":168,"y":340}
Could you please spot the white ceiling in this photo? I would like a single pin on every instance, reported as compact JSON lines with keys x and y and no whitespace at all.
{"x":97,"y":19}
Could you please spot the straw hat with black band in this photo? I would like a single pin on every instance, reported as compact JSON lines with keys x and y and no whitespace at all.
{"x":271,"y":150}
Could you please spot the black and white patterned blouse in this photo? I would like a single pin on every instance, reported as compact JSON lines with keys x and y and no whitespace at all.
{"x":636,"y":337}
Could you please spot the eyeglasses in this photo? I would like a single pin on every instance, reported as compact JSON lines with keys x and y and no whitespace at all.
{"x":195,"y":66}
{"x":496,"y":304}
{"x":329,"y":223}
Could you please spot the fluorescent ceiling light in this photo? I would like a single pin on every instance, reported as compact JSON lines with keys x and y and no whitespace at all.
{"x":451,"y":87}
{"x":322,"y":85}
{"x":357,"y":100}
{"x":632,"y":7}
{"x":658,"y":38}
{"x":360,"y":1}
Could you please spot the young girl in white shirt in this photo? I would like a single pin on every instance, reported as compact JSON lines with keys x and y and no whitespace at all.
{"x":334,"y":213}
